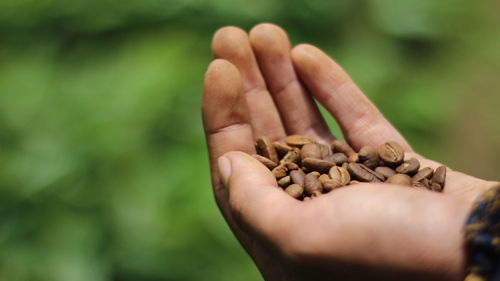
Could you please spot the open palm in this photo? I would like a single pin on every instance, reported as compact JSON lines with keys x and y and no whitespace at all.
{"x":259,"y":86}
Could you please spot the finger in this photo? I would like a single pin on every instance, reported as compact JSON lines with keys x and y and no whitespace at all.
{"x":361,"y":122}
{"x":232,"y":44}
{"x":299,"y":113}
{"x":225,"y":116}
{"x":257,"y":204}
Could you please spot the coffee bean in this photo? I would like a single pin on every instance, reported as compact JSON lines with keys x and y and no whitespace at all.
{"x":425,"y":173}
{"x":325,"y":150}
{"x":315,"y":194}
{"x":391,"y":153}
{"x":298,"y":140}
{"x":324,"y":177}
{"x":291,"y":166}
{"x":368,"y":156}
{"x":354,"y":158}
{"x":316,"y":173}
{"x":436,"y":187}
{"x":265,"y":148}
{"x":267,"y":162}
{"x":424,"y":183}
{"x":311,"y":150}
{"x":312,"y":164}
{"x":439,"y":176}
{"x":280,"y":171}
{"x":297,"y":177}
{"x":329,"y":185}
{"x":306,"y":198}
{"x":363,"y":173}
{"x":342,"y":146}
{"x":292,"y":156}
{"x":284,"y":181}
{"x":409,"y":167}
{"x":385,"y":171}
{"x":338,"y":158}
{"x":340,"y":175}
{"x":294,"y":190}
{"x":400,"y":179}
{"x":354,"y":182}
{"x":312,"y":184}
{"x":281,"y":149}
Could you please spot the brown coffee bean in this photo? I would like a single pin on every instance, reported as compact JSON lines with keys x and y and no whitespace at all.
{"x":400,"y":179}
{"x":354,"y":158}
{"x":391,"y":153}
{"x":329,"y":185}
{"x":368,"y":156}
{"x":409,"y":167}
{"x":297,"y":177}
{"x":281,"y":148}
{"x":310,"y":150}
{"x":280,"y":171}
{"x":385,"y":171}
{"x":298,"y":140}
{"x":342,"y":146}
{"x":285,"y":181}
{"x":316,"y":173}
{"x":325,"y":150}
{"x":315,"y":194}
{"x":312,"y":164}
{"x":306,"y":198}
{"x":439,"y":176}
{"x":324,"y":177}
{"x":436,"y":187}
{"x":291,"y":166}
{"x":425,"y":173}
{"x":312,"y":184}
{"x":424,"y":183}
{"x":338,"y":158}
{"x":291,"y":156}
{"x":354,"y":182}
{"x":340,"y":175}
{"x":363,"y":173}
{"x":295,"y":191}
{"x":267,"y":162}
{"x":265,"y":148}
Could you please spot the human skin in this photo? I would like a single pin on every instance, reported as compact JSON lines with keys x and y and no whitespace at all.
{"x":258,"y":85}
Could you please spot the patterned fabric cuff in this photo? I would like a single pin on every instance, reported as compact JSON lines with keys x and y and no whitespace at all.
{"x":482,"y":237}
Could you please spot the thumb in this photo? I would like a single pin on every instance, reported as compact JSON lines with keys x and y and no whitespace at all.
{"x":257,"y":204}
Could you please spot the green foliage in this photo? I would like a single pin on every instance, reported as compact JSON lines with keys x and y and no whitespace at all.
{"x":103,"y":168}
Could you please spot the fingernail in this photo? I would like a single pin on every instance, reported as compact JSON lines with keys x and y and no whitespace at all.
{"x":224,"y":169}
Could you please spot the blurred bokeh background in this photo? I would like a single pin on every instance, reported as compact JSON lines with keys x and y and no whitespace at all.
{"x":103,"y":168}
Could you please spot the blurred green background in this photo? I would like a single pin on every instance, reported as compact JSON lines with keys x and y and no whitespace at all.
{"x":103,"y":168}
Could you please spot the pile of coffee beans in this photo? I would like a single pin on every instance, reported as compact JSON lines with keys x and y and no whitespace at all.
{"x":306,"y":168}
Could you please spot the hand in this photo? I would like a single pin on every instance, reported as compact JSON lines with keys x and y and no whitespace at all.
{"x":256,"y":86}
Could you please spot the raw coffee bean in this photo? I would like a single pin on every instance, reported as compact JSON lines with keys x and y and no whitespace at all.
{"x":363,"y":173}
{"x":297,"y":177}
{"x":311,"y":150}
{"x":342,"y":146}
{"x":280,"y":171}
{"x":281,"y":149}
{"x":298,"y":140}
{"x":409,"y":167}
{"x":291,"y":166}
{"x":354,"y":158}
{"x":292,"y":156}
{"x":400,"y":179}
{"x":312,"y":164}
{"x":284,"y":181}
{"x":385,"y":171}
{"x":338,"y":158}
{"x":265,"y":148}
{"x":325,"y":150}
{"x":436,"y":187}
{"x":340,"y":175}
{"x":425,"y":173}
{"x":312,"y":184}
{"x":439,"y":176}
{"x":354,"y":182}
{"x":391,"y":153}
{"x":295,"y":191}
{"x":368,"y":156}
{"x":267,"y":162}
